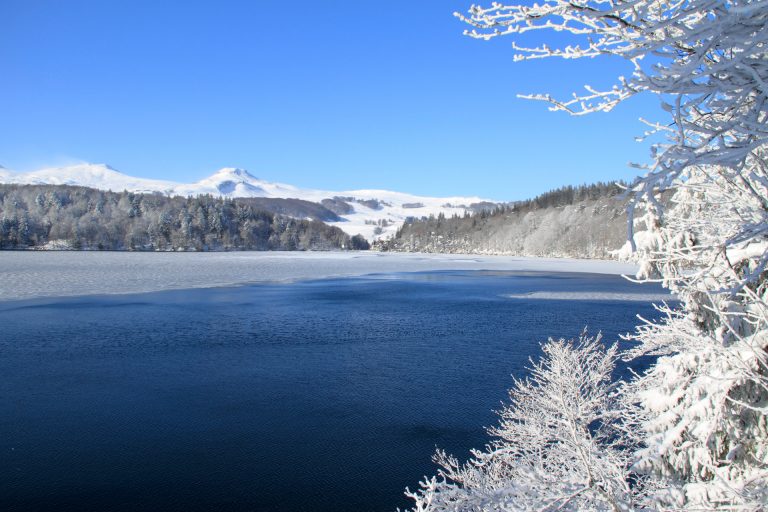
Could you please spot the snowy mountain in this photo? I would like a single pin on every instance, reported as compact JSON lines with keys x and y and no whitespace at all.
{"x":89,"y":175}
{"x":373,"y":213}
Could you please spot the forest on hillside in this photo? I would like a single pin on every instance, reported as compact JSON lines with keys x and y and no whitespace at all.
{"x":66,"y":217}
{"x":575,"y":221}
{"x":567,"y":195}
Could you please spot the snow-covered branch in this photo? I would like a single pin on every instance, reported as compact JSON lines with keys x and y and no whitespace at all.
{"x":707,"y":56}
{"x":693,"y":429}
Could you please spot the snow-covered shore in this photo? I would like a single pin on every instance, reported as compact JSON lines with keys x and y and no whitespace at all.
{"x":28,"y":275}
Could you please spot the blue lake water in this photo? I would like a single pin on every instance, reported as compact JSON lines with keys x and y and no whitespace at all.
{"x":316,"y":395}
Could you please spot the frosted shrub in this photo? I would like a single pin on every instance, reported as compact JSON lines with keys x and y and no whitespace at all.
{"x":555,"y":446}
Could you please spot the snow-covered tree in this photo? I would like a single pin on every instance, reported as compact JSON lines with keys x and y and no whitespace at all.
{"x":704,"y":419}
{"x":556,"y":446}
{"x":699,"y":416}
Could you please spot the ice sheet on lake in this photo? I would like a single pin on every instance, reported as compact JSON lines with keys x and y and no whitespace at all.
{"x":632,"y":297}
{"x":28,"y":274}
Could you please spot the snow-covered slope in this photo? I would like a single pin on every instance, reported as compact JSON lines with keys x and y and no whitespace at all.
{"x":232,"y":182}
{"x":371,"y":213}
{"x":90,"y":175}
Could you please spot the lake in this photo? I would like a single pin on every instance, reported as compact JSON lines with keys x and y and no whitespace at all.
{"x":326,"y":394}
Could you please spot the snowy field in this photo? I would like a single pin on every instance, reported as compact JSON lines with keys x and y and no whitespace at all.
{"x":27,"y":275}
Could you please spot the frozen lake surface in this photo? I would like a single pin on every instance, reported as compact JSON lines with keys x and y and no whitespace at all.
{"x":28,"y":274}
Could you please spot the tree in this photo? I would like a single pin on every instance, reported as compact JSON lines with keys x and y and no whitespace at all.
{"x":698,"y":416}
{"x":555,"y":447}
{"x":704,"y":419}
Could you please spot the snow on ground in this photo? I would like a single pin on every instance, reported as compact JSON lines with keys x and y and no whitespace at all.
{"x":33,"y":274}
{"x":384,"y":212}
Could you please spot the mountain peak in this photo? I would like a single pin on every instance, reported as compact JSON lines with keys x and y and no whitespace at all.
{"x":100,"y":176}
{"x":234,"y":172}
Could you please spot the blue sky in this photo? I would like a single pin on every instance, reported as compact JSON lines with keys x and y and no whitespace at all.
{"x":325,"y":94}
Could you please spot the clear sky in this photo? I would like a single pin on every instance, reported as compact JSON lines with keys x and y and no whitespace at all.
{"x":324,"y":94}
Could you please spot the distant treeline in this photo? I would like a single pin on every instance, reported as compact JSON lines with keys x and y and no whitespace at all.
{"x":37,"y":216}
{"x":562,"y":196}
{"x":570,"y":194}
{"x":554,"y":198}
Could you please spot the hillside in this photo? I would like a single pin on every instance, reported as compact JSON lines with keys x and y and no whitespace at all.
{"x":579,"y":222}
{"x":68,"y":217}
{"x":374,"y":214}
